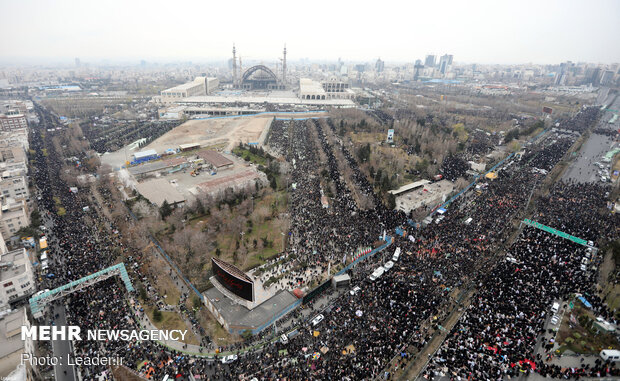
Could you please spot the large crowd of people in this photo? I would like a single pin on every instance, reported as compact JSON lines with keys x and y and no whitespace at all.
{"x":391,"y":317}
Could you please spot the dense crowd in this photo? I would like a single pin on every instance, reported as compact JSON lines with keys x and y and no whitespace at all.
{"x":496,"y":337}
{"x":388,"y":319}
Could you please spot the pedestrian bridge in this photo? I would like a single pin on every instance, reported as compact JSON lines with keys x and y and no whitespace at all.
{"x":38,"y":302}
{"x":556,"y":232}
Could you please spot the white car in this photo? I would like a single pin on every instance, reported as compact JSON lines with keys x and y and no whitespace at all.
{"x":355,"y":290}
{"x":317,"y":319}
{"x":229,"y":359}
{"x":388,"y":265}
{"x":284,"y":339}
{"x":555,"y":319}
{"x":584,"y":268}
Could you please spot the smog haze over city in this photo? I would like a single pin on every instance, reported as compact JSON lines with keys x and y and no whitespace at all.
{"x":276,"y":190}
{"x":476,"y":31}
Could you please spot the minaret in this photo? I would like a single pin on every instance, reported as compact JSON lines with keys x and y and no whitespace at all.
{"x":234,"y":66}
{"x":284,"y":67}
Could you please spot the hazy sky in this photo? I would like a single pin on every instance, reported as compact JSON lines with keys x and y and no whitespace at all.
{"x":495,"y":31}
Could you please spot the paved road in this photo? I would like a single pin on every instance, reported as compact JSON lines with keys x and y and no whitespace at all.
{"x":62,"y":348}
{"x":584,"y":169}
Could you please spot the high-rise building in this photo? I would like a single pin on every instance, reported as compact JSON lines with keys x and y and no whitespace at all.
{"x":380,"y":65}
{"x":592,"y":76}
{"x":417,"y":67}
{"x":429,"y":61}
{"x":561,"y":75}
{"x":444,"y":63}
{"x":607,"y":77}
{"x":77,"y":62}
{"x":284,"y":67}
{"x":234,"y":67}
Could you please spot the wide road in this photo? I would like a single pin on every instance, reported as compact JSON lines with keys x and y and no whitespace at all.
{"x":584,"y":169}
{"x":62,"y":348}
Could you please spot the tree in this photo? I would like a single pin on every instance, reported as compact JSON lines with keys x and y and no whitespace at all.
{"x":512,"y":134}
{"x":363,"y":153}
{"x":157,"y":316}
{"x":165,"y":210}
{"x":196,"y":302}
{"x":273,"y":183}
{"x":246,"y":335}
{"x":200,"y":208}
{"x":421,"y":165}
{"x":142,"y":293}
{"x":391,"y":201}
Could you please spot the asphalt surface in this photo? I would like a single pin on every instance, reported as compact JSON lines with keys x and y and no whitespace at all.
{"x":584,"y":169}
{"x":62,"y":348}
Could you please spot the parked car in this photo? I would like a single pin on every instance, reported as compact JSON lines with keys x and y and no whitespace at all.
{"x":355,"y":290}
{"x":317,"y":319}
{"x":229,"y":359}
{"x":555,"y":319}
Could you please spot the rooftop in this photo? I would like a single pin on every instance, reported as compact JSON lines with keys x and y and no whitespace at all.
{"x":158,"y":190}
{"x":410,"y":186}
{"x":214,"y":158}
{"x":10,"y":327}
{"x":148,"y":167}
{"x":12,"y":264}
{"x":284,"y":98}
{"x":148,"y":152}
{"x":237,"y":315}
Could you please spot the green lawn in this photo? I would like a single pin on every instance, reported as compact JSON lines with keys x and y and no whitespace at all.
{"x":583,"y":340}
{"x":245,"y":153}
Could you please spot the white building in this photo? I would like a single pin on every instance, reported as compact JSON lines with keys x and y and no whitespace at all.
{"x":199,"y":86}
{"x":337,"y":89}
{"x":309,"y":89}
{"x":3,"y":248}
{"x":16,"y":277}
{"x":13,"y":162}
{"x":13,"y":216}
{"x":14,"y":138}
{"x":422,"y":193}
{"x":15,"y":188}
{"x":12,"y":346}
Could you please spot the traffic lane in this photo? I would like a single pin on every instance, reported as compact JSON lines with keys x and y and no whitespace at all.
{"x":583,"y":168}
{"x":61,"y":349}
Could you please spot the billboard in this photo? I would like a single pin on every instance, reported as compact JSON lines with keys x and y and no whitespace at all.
{"x":390,"y":136}
{"x":233,"y":279}
{"x":547,"y":110}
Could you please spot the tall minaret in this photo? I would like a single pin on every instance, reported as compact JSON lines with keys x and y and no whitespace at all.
{"x":284,"y":67}
{"x":234,"y":66}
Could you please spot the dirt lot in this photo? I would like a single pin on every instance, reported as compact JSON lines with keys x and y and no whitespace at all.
{"x":212,"y":131}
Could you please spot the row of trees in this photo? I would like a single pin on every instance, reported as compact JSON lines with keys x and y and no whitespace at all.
{"x":515,"y":133}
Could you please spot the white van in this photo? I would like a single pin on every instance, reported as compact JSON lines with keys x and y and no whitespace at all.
{"x":377,"y":273}
{"x":610,"y":354}
{"x":396,"y":255}
{"x":555,"y":307}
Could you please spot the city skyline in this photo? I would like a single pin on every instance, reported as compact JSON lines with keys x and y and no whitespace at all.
{"x":480,"y":32}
